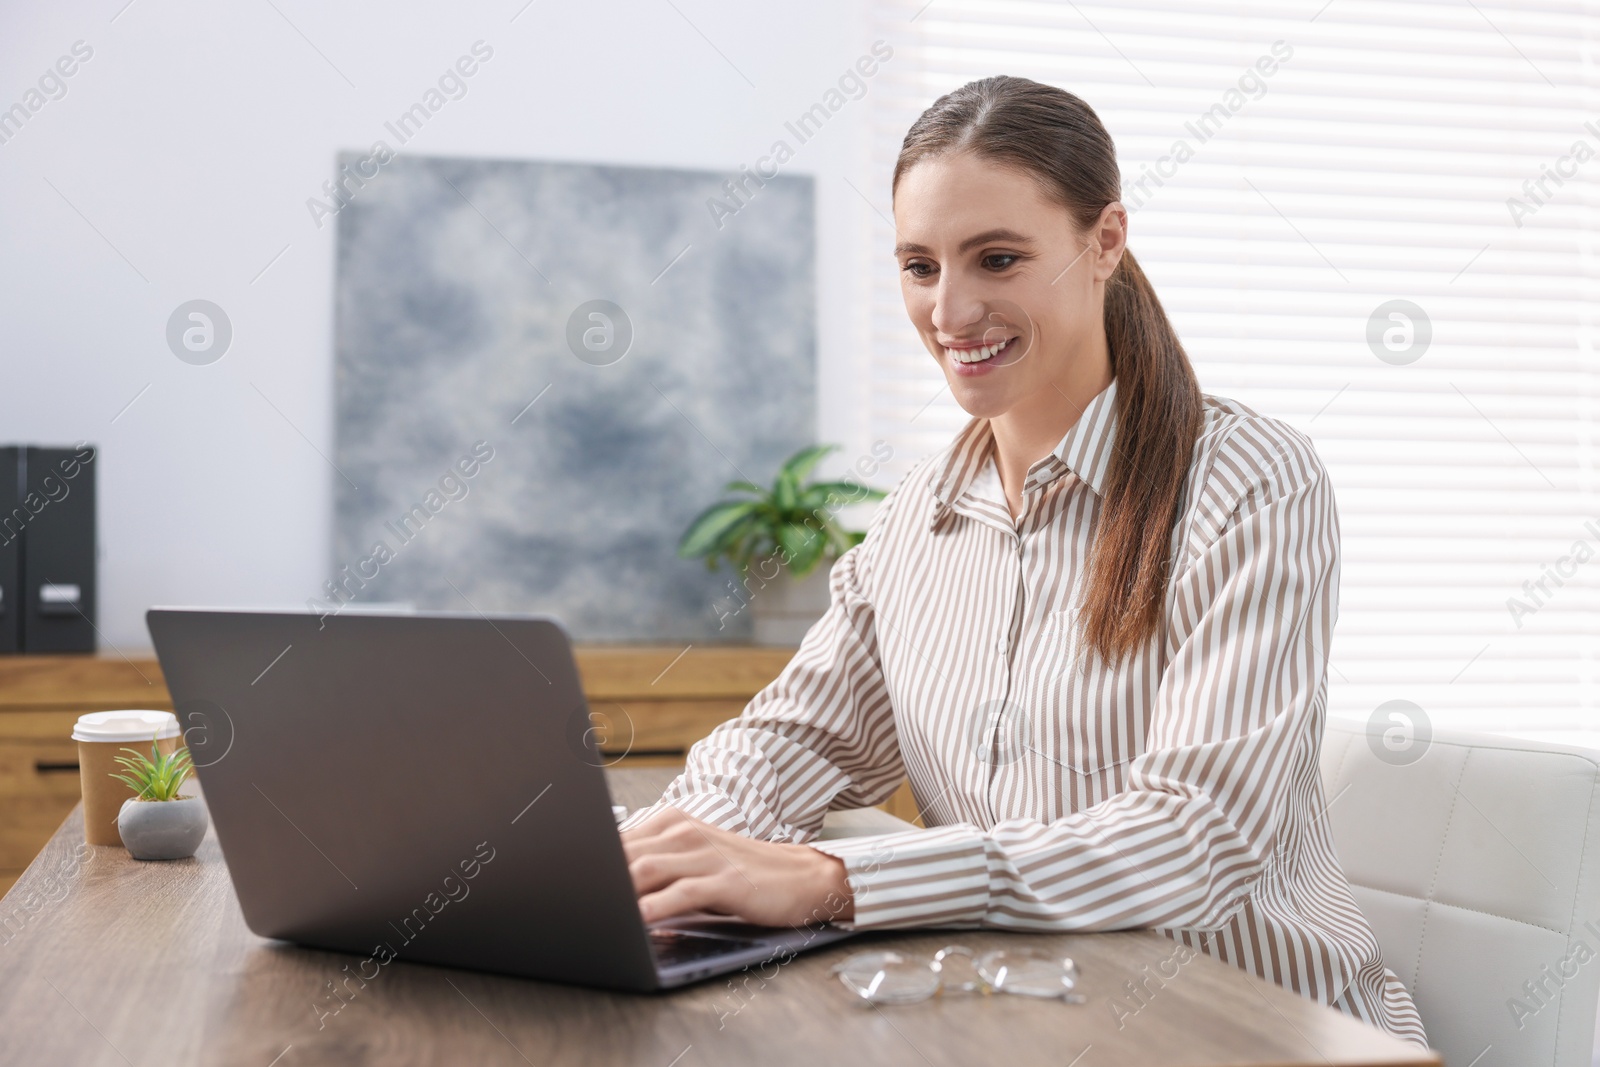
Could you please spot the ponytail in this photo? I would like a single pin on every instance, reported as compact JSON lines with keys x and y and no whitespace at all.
{"x":1158,"y":420}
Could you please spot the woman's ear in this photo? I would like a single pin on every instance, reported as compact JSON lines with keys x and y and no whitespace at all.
{"x":1109,"y":237}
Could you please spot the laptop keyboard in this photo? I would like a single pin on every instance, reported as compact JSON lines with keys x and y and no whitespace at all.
{"x":672,"y":947}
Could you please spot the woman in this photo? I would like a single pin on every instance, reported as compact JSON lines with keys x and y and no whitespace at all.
{"x":1093,"y":631}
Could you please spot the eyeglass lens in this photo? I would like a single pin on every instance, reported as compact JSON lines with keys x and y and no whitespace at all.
{"x":1030,"y":974}
{"x":887,"y":978}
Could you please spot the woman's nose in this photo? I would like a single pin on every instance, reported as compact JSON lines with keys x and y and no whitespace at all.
{"x":957,"y":310}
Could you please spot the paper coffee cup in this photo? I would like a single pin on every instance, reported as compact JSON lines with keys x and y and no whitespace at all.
{"x":101,"y":737}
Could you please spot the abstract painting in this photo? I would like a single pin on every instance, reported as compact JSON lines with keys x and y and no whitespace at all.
{"x":546,"y":370}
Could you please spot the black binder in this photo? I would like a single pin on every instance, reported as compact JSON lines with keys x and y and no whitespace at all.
{"x":58,"y":550}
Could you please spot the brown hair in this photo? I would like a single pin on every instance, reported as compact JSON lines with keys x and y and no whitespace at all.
{"x":1058,"y":140}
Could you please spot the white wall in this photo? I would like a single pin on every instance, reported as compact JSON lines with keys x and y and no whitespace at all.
{"x":178,"y":165}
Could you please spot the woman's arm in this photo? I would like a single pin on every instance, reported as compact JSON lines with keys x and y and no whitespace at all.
{"x":1237,"y":705}
{"x":728,"y":833}
{"x":822,"y":730}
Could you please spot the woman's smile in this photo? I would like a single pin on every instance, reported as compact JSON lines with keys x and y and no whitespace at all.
{"x":979,"y":356}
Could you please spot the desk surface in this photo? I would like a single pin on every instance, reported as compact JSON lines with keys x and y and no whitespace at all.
{"x":106,"y":960}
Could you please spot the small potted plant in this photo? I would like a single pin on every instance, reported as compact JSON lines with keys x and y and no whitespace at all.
{"x":778,"y":540}
{"x":156,"y":823}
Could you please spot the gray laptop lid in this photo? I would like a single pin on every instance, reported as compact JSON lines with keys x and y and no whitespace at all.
{"x":422,"y":785}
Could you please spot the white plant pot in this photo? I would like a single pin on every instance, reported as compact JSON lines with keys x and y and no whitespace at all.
{"x":162,"y":829}
{"x":783,"y":609}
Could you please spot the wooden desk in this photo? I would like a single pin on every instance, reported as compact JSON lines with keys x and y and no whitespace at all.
{"x":105,"y":960}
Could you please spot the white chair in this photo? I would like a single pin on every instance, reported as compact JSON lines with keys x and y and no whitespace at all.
{"x":1478,"y":865}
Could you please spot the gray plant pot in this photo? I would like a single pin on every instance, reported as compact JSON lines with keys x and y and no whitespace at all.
{"x":786,"y":607}
{"x":162,"y":829}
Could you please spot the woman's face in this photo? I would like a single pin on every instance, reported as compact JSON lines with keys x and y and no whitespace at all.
{"x":1005,"y":293}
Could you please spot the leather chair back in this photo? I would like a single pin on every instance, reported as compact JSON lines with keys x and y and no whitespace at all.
{"x":1475,"y":859}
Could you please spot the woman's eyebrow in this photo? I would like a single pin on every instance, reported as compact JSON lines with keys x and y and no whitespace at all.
{"x":906,"y":248}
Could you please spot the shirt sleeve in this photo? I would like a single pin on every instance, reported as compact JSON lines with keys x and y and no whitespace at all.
{"x":1237,"y":708}
{"x":819,"y":736}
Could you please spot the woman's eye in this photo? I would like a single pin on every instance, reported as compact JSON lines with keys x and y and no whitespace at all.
{"x":999,"y":260}
{"x":917,"y":269}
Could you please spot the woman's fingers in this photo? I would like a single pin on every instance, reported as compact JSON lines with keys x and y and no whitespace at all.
{"x":701,"y":893}
{"x":680,"y":865}
{"x":673,"y":835}
{"x":654,"y":824}
{"x":653,"y":870}
{"x":668,"y":828}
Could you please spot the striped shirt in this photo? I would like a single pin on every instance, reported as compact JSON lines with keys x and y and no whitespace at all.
{"x":1176,"y":790}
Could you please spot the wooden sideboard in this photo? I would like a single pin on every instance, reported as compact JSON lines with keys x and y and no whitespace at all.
{"x":649,"y":704}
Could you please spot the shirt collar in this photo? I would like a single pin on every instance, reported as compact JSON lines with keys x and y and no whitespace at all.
{"x":1085,"y":450}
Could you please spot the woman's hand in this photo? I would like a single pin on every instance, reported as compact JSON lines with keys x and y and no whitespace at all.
{"x":680,"y":864}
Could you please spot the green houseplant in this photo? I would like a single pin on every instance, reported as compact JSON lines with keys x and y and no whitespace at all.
{"x":791,"y":527}
{"x":157,"y":823}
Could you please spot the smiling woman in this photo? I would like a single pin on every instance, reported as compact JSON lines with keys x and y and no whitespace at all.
{"x":1093,"y":631}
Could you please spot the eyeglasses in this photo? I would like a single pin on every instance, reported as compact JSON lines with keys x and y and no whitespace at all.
{"x":888,"y":977}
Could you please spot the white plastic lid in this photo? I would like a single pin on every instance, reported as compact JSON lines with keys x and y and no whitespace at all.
{"x":125,"y":726}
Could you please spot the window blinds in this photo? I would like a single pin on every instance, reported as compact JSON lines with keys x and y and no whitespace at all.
{"x":1389,"y":242}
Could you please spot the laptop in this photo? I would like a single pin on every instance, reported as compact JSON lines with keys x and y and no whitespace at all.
{"x":425,"y":787}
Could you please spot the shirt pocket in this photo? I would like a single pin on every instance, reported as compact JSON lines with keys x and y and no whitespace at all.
{"x":1092,"y":729}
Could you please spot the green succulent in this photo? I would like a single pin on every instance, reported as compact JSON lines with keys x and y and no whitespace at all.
{"x":156,"y":776}
{"x":793,"y":520}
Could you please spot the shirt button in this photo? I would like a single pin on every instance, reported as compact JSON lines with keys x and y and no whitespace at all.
{"x":1000,"y":645}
